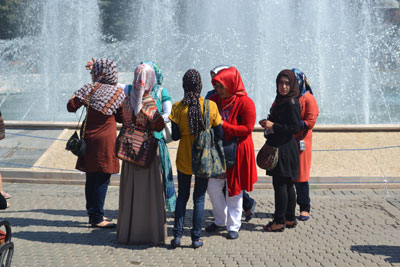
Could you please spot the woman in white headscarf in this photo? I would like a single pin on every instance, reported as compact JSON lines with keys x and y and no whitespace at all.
{"x":141,"y":217}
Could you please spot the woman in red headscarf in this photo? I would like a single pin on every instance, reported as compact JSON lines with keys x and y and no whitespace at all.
{"x":238,"y":113}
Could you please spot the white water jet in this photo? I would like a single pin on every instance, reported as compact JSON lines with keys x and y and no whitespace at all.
{"x":336,"y":43}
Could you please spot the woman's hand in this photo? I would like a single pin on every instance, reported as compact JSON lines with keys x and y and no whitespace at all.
{"x":269,"y":125}
{"x":266,"y":124}
{"x":263,"y":123}
{"x":89,"y":65}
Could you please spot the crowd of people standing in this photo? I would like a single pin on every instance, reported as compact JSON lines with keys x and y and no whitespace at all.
{"x":147,"y":190}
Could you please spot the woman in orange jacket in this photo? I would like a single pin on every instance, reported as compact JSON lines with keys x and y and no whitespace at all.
{"x":309,"y":113}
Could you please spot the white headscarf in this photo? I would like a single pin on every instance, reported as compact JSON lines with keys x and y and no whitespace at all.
{"x":145,"y":79}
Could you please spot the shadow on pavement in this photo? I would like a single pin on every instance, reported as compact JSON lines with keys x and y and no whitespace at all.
{"x":97,"y":237}
{"x":60,"y":212}
{"x":24,"y":222}
{"x":393,"y":252}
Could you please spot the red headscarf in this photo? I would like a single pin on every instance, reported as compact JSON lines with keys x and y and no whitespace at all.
{"x":231,"y":80}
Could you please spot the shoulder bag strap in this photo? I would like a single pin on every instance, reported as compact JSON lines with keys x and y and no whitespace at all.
{"x":206,"y":113}
{"x":87,"y":110}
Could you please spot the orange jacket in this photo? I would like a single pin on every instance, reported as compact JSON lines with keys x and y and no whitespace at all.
{"x":309,"y":113}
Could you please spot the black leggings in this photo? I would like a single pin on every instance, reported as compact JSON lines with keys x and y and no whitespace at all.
{"x":285,"y":199}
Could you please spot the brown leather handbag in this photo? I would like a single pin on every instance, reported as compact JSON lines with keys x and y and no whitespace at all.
{"x":267,"y":157}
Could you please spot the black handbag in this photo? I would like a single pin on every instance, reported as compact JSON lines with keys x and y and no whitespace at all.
{"x":230,"y":149}
{"x":75,"y":144}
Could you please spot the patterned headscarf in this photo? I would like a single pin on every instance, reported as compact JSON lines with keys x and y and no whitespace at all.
{"x":192,"y":87}
{"x":105,"y":71}
{"x":108,"y":97}
{"x":144,"y":81}
{"x":302,"y":82}
{"x":159,"y":77}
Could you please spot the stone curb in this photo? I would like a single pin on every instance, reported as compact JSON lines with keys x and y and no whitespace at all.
{"x":264,"y":182}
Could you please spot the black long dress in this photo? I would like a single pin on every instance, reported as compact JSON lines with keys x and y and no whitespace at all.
{"x":286,"y":118}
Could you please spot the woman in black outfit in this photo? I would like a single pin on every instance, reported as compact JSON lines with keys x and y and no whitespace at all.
{"x":282,"y":123}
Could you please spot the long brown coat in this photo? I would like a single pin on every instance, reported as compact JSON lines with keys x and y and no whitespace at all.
{"x":100,"y":136}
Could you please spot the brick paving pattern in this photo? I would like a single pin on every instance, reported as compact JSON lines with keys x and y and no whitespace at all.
{"x":348,"y":228}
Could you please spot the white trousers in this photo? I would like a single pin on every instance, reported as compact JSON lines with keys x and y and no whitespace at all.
{"x":226,"y":210}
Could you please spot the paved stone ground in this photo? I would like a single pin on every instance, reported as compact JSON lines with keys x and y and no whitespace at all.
{"x":348,"y":228}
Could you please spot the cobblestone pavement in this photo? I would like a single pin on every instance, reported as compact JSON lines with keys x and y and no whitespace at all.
{"x":347,"y":228}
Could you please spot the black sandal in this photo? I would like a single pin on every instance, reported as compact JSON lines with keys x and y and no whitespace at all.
{"x":295,"y":222}
{"x":268,"y":227}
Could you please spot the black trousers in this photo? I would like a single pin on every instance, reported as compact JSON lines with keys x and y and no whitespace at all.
{"x":303,"y":196}
{"x":285,"y":199}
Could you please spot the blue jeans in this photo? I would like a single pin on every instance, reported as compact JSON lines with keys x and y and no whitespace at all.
{"x":247,"y":201}
{"x":200,"y":188}
{"x":95,"y":192}
{"x":303,"y":196}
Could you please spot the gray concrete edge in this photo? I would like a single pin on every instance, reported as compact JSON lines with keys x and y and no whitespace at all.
{"x":264,"y":182}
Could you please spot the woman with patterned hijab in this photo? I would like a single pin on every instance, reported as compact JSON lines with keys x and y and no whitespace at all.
{"x":105,"y":100}
{"x":187,"y":122}
{"x":163,"y":103}
{"x":141,"y":216}
{"x":309,"y":113}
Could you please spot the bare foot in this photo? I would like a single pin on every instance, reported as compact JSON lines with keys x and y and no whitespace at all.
{"x":104,"y":224}
{"x":304,"y":213}
{"x":290,"y":223}
{"x":274,"y":227}
{"x":5,"y":195}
